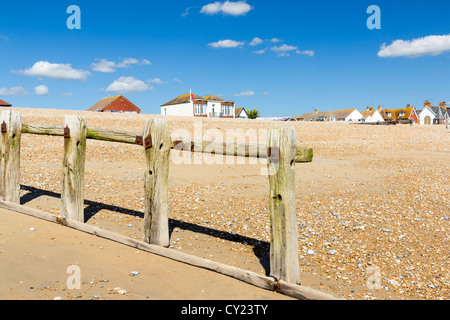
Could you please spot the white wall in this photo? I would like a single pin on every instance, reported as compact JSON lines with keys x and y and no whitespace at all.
{"x":183,"y":109}
{"x":426,"y":112}
{"x":354,"y":116}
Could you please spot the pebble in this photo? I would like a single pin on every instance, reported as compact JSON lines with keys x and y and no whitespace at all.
{"x":134,"y":273}
{"x":310,"y":252}
{"x":332,"y":252}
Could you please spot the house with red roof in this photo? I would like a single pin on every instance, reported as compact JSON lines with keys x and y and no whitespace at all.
{"x":4,"y":104}
{"x":115,"y":104}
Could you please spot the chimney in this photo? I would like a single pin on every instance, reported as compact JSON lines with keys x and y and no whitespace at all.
{"x":380,"y":108}
{"x":443,"y":104}
{"x":427,"y":103}
{"x":367,"y":109}
{"x":316,"y":111}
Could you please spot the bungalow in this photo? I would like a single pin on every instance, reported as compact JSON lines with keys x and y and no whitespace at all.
{"x":192,"y":105}
{"x":407,"y":114}
{"x":371,"y":116}
{"x":440,"y":112}
{"x":240,"y":113}
{"x":348,"y":115}
{"x":315,"y":116}
{"x":4,"y":104}
{"x":115,"y":104}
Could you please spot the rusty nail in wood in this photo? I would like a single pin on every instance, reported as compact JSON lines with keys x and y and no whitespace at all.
{"x":66,"y":132}
{"x":4,"y":127}
{"x":139,"y":140}
{"x":148,"y":142}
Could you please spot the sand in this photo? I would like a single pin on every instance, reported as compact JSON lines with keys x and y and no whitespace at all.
{"x":373,"y":207}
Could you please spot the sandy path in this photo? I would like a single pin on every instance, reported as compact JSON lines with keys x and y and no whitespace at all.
{"x":35,"y":255}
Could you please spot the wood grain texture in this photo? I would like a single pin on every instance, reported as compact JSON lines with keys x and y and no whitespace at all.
{"x":156,"y":181}
{"x":282,"y":146}
{"x":73,"y":180}
{"x":10,"y":156}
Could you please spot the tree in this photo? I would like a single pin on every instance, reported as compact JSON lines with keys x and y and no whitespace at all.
{"x":253,"y":113}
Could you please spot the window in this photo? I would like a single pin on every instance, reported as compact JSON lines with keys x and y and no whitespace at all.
{"x":230,"y":110}
{"x":213,"y":108}
{"x":197,"y":109}
{"x":203,"y":109}
{"x":224,"y":110}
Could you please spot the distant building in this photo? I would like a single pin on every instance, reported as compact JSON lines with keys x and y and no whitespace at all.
{"x":371,"y":116}
{"x":432,"y":114}
{"x":240,"y":113}
{"x":115,"y":104}
{"x":348,"y":115}
{"x":407,"y":114}
{"x":315,"y":116}
{"x":4,"y":104}
{"x":192,"y":105}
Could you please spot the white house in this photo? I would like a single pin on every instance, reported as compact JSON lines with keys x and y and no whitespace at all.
{"x":371,"y":116}
{"x":426,"y":116}
{"x":192,"y":105}
{"x":348,"y":115}
{"x":241,"y":113}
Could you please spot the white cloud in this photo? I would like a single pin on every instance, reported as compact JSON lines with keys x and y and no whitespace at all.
{"x":306,"y":52}
{"x":104,"y":65}
{"x":66,"y":94}
{"x":41,"y":90}
{"x":283,"y":50}
{"x":245,"y":93}
{"x":256,"y":41}
{"x":262,"y":51}
{"x":4,"y":38}
{"x":56,"y":71}
{"x":275,"y":40}
{"x":431,"y":45}
{"x":226,"y":44}
{"x":14,"y":91}
{"x":156,"y":81}
{"x":265,"y":93}
{"x":238,"y":8}
{"x":128,"y":84}
{"x":177,"y":80}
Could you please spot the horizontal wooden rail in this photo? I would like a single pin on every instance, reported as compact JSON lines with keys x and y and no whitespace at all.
{"x":238,"y":149}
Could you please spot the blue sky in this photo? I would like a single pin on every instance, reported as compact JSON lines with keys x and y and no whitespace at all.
{"x":281,"y":57}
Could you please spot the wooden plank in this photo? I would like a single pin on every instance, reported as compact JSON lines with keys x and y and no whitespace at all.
{"x":238,"y":149}
{"x":10,"y":155}
{"x":264,"y":282}
{"x":72,"y":193}
{"x":282,"y":150}
{"x":156,"y":180}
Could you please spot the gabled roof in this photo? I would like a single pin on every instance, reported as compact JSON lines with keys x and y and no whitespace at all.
{"x":367,"y":113}
{"x":104,"y":103}
{"x":314,"y":116}
{"x":185,"y":98}
{"x":4,"y":104}
{"x":237,"y":111}
{"x":395,"y":113}
{"x":342,"y":114}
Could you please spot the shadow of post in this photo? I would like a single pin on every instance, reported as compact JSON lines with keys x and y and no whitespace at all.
{"x":261,"y":249}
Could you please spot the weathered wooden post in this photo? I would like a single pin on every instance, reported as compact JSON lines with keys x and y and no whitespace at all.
{"x":282,"y":151}
{"x":157,"y":144}
{"x":11,"y":130}
{"x":72,"y":193}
